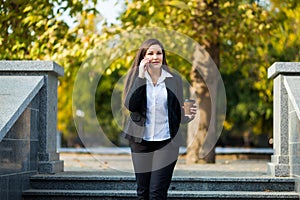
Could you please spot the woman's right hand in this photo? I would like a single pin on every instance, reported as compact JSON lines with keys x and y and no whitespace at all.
{"x":143,"y":67}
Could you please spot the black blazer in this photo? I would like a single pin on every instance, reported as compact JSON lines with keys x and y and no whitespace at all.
{"x":136,"y":103}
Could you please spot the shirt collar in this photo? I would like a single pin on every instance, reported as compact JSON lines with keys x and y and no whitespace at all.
{"x":163,"y":76}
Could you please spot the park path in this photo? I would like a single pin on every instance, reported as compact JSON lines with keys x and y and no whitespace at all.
{"x":121,"y":164}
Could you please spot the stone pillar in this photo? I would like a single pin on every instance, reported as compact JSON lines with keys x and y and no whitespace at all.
{"x":48,"y":158}
{"x":280,"y":164}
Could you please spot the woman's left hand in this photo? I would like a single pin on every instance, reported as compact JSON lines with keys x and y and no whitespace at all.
{"x":193,"y":111}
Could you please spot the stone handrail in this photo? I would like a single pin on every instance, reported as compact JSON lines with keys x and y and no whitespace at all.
{"x":286,"y":109}
{"x":31,"y":87}
{"x":28,"y":124}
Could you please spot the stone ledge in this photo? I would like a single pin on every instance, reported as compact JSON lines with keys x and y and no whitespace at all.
{"x":283,"y":68}
{"x":30,"y":66}
{"x":51,"y":167}
{"x":98,"y":181}
{"x":279,"y":170}
{"x":171,"y":194}
{"x":95,"y":176}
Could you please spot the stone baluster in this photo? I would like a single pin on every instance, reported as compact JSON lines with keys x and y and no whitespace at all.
{"x":48,"y":158}
{"x":280,"y":165}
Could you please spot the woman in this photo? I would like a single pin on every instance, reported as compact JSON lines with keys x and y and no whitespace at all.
{"x":154,"y":97}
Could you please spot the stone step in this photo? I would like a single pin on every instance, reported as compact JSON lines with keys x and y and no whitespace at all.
{"x":174,"y":195}
{"x":69,"y":182}
{"x":95,"y":186}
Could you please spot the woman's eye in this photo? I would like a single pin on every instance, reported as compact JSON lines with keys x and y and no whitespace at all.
{"x":151,"y":53}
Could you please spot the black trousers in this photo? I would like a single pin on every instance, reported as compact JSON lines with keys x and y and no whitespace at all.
{"x":154,"y":163}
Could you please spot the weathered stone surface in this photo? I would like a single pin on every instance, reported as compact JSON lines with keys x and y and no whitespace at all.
{"x":287,"y":68}
{"x":280,"y":160}
{"x":91,"y":185}
{"x":26,"y":66}
{"x":28,"y":121}
{"x":292,"y":85}
{"x":286,"y":117}
{"x":16,"y":92}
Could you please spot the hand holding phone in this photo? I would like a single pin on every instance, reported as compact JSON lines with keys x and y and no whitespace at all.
{"x":144,"y":65}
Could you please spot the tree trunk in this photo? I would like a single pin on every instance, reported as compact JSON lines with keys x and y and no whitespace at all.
{"x":200,"y":142}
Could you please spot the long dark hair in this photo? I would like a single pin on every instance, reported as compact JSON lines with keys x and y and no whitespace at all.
{"x":134,"y":70}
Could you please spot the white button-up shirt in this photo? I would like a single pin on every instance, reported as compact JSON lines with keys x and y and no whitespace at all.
{"x":157,"y":122}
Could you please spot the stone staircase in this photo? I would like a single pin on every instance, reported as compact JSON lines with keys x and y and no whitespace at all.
{"x":94,"y":186}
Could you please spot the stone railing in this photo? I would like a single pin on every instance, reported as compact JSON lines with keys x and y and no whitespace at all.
{"x":28,"y":123}
{"x":285,"y":161}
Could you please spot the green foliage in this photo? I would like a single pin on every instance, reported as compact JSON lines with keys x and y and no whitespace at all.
{"x":243,"y":39}
{"x":244,"y":68}
{"x":33,"y":30}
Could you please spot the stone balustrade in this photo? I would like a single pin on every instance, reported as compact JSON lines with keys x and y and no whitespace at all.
{"x":286,"y":109}
{"x":28,"y":123}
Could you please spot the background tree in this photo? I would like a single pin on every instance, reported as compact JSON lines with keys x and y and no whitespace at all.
{"x":243,"y":38}
{"x":231,"y":31}
{"x":237,"y":34}
{"x":35,"y":30}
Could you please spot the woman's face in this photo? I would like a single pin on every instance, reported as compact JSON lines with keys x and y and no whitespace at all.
{"x":155,"y":56}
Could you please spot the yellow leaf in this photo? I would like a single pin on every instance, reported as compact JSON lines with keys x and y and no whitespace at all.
{"x":178,"y":4}
{"x":227,"y":4}
{"x":151,"y":10}
{"x":108,"y":71}
{"x":27,"y":8}
{"x":249,"y":14}
{"x":41,"y":23}
{"x":242,"y":7}
{"x":239,"y":46}
{"x":261,"y":27}
{"x":91,"y":16}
